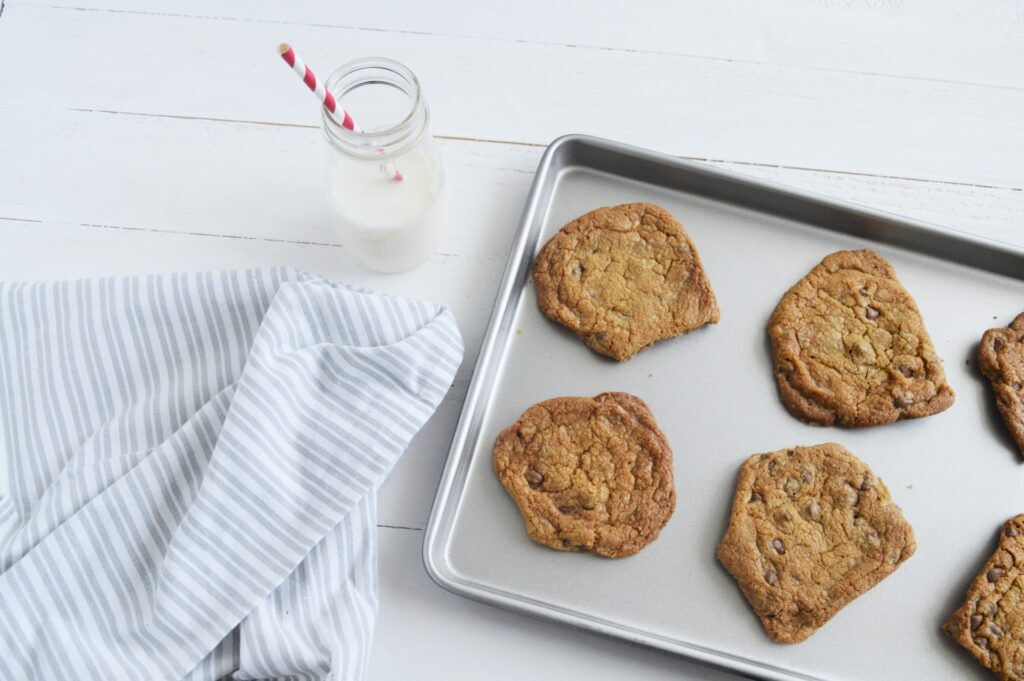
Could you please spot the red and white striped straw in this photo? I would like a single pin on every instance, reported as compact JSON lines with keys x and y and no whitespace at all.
{"x":327,"y":99}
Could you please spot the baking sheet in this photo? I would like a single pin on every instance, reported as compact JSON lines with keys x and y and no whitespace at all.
{"x":956,"y":475}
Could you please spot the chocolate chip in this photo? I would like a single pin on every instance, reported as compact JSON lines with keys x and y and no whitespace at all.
{"x":867,"y":484}
{"x":996,"y":631}
{"x":981,"y":643}
{"x":792,"y":486}
{"x":995,"y":573}
{"x":1012,"y":531}
{"x":772,"y":467}
{"x":997,"y":344}
{"x":906,"y":370}
{"x":600,"y":336}
{"x":864,"y":291}
{"x":533,"y":478}
{"x":771,"y":575}
{"x":755,"y":497}
{"x":904,"y":400}
{"x":1017,"y":386}
{"x":976,"y":621}
{"x":871,"y":313}
{"x":807,"y":476}
{"x":814,"y":511}
{"x":777,"y":545}
{"x":569,"y":510}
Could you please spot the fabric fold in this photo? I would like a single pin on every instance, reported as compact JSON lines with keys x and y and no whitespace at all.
{"x":192,"y":464}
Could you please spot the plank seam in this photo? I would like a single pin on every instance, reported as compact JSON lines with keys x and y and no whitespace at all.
{"x":400,"y":527}
{"x":213,"y":235}
{"x":482,"y":140}
{"x":543,"y":43}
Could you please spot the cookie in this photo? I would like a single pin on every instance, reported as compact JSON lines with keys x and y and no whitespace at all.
{"x":1001,"y":359}
{"x":850,"y":348}
{"x":990,"y":623}
{"x":811,"y":529}
{"x":589,"y":474}
{"x":622,"y":278}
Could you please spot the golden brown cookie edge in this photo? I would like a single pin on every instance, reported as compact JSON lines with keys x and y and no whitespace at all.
{"x":958,"y":626}
{"x":989,"y":366}
{"x":638,"y":408}
{"x":554,"y":309}
{"x":795,"y":397}
{"x":740,"y":534}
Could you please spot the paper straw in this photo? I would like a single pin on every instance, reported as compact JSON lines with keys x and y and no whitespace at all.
{"x":327,"y":99}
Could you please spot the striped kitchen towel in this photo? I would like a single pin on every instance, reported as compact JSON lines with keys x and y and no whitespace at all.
{"x":189,"y":468}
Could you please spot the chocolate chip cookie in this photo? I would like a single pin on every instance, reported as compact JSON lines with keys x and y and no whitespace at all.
{"x":1001,"y":359}
{"x":850,"y":347}
{"x":812,"y":528}
{"x":624,"y":277}
{"x":589,"y":474}
{"x":990,"y":624}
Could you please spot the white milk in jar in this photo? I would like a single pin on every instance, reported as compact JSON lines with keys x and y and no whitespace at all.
{"x":388,"y":224}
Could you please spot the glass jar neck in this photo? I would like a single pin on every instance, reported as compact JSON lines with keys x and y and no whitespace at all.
{"x":376,"y":139}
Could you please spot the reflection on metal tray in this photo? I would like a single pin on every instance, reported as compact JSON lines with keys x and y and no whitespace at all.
{"x":956,"y":475}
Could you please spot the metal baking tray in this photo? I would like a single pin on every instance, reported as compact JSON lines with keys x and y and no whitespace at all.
{"x":956,"y":475}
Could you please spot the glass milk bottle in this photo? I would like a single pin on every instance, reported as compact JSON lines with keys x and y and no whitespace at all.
{"x":385,"y":181}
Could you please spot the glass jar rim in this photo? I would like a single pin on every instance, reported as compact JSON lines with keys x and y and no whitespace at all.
{"x":391,"y":137}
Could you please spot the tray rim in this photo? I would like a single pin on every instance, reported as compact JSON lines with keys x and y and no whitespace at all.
{"x":455,"y":469}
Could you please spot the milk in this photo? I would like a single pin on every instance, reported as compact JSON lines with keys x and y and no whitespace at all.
{"x":388,"y":226}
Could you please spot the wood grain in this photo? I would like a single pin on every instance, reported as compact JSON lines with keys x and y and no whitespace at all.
{"x":151,"y":136}
{"x":196,"y":194}
{"x":863,"y":36}
{"x":690,"y":106}
{"x":252,"y":181}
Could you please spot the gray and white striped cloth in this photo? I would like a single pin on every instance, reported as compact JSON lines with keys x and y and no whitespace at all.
{"x":189,"y":471}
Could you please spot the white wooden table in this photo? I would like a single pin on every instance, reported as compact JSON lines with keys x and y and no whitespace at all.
{"x":161,"y":136}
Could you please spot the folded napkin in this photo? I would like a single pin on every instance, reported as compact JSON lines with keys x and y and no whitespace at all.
{"x":189,"y":468}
